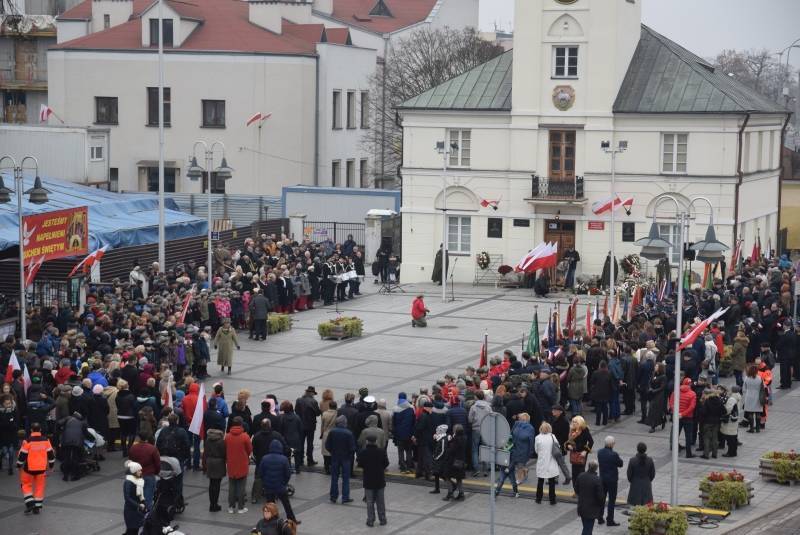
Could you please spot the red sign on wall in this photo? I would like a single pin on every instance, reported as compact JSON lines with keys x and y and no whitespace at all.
{"x":597,"y":225}
{"x":56,"y":234}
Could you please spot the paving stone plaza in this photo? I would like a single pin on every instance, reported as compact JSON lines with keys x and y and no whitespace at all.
{"x":389,"y":358}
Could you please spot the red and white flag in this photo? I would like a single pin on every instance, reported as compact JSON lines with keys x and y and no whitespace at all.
{"x":484,"y":351}
{"x":490,"y":204}
{"x":604,"y":205}
{"x":196,"y":426}
{"x":698,"y":329}
{"x":258,"y":118}
{"x":166,"y":398}
{"x":546,"y":259}
{"x":45,"y":112}
{"x":32,"y":269}
{"x":89,"y":261}
{"x":532,"y":255}
{"x":185,"y":307}
{"x":589,"y":324}
{"x":13,"y":364}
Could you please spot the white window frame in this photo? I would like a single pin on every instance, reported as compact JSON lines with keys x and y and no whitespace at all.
{"x":568,"y":49}
{"x":459,"y":234}
{"x":350,"y":173}
{"x":336,"y":110}
{"x":363,"y":173}
{"x":669,"y":159}
{"x":461,"y":157}
{"x":93,"y":153}
{"x":671,"y":233}
{"x":336,"y":173}
{"x":365,"y":110}
{"x":351,"y":110}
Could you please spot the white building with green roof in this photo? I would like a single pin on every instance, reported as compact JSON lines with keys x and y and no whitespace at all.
{"x":529,"y":125}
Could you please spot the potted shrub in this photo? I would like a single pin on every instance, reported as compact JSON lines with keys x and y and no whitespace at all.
{"x":340,"y":328}
{"x":278,"y":323}
{"x":725,"y":490}
{"x":780,"y":466}
{"x":657,"y":519}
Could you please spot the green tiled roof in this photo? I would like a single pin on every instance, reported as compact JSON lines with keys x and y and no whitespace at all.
{"x":664,"y":77}
{"x":486,"y":87}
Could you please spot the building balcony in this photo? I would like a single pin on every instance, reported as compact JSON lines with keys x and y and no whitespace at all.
{"x":550,"y":191}
{"x":23,"y":78}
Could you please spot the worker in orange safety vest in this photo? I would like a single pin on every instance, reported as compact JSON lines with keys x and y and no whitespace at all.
{"x":35,"y":457}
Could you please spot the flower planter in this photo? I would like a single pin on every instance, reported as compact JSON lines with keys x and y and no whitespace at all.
{"x":782,"y":470}
{"x":657,"y":519}
{"x":706,"y":497}
{"x":278,"y":323}
{"x":340,"y":329}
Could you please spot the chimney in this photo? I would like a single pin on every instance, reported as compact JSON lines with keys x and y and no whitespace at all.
{"x":324,"y":6}
{"x":269,"y":14}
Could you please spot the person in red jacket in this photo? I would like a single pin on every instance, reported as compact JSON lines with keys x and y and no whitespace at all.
{"x":35,"y":457}
{"x":688,"y":402}
{"x":189,"y":404}
{"x":418,"y":312}
{"x":238,"y":448}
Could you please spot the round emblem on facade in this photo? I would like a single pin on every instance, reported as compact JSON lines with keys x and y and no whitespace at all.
{"x":563,"y":97}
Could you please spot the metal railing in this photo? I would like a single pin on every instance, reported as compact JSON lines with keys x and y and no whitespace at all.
{"x":320,"y":231}
{"x":241,"y":210}
{"x":24,"y":75}
{"x":550,"y":189}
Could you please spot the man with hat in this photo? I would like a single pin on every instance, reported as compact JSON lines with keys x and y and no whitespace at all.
{"x":307,"y":409}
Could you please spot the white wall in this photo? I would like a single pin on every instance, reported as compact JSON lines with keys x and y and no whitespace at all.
{"x":67,"y":30}
{"x":119,"y":11}
{"x":280,"y":153}
{"x":337,"y":204}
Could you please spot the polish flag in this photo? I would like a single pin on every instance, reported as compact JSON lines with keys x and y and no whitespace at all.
{"x":488,"y":204}
{"x":166,"y":399}
{"x":258,"y":118}
{"x":589,"y":320}
{"x":89,"y":260}
{"x":196,"y":426}
{"x":185,"y":307}
{"x":532,"y":255}
{"x":546,"y":259}
{"x":13,"y":364}
{"x":603,"y":206}
{"x":698,"y":329}
{"x":45,"y":112}
{"x":32,"y":269}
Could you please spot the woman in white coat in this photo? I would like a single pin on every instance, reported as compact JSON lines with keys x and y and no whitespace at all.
{"x":546,"y":464}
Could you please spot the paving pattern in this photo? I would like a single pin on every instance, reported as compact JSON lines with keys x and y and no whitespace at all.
{"x":393,"y":357}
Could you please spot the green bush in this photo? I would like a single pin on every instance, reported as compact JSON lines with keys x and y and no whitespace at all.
{"x":278,"y":323}
{"x":785,"y":464}
{"x":341,"y":327}
{"x":644,"y":519}
{"x":724,"y":494}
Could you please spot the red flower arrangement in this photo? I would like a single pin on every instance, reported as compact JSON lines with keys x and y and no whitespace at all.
{"x":660,"y":507}
{"x":790,"y":455}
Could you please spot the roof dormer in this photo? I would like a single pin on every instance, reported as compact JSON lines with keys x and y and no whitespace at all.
{"x":179,"y":21}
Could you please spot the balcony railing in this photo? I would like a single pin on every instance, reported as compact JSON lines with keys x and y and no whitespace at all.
{"x":22,"y":77}
{"x":548,"y":189}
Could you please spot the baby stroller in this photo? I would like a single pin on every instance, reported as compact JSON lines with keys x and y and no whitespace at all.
{"x":89,"y":454}
{"x":167,"y":501}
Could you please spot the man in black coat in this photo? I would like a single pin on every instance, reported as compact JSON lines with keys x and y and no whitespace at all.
{"x":373,"y":461}
{"x":259,"y":307}
{"x":307,"y":409}
{"x":589,"y":489}
{"x":212,"y":418}
{"x":342,"y":445}
{"x":610,"y":462}
{"x":787,"y":349}
{"x":261,"y":445}
{"x":423,"y":439}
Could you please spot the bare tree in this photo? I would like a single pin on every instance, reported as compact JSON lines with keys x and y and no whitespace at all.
{"x":760,"y":70}
{"x":425,"y":59}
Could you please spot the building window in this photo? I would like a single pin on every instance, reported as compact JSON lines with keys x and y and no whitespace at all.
{"x":495,"y":227}
{"x":217,"y":184}
{"x":459,"y":234}
{"x":113,"y":179}
{"x":671,"y":233}
{"x":96,"y":153}
{"x":105,"y":110}
{"x":363,"y":173}
{"x":336,"y":173}
{"x":628,"y":232}
{"x":351,"y":109}
{"x":365,"y":109}
{"x":565,"y":61}
{"x":351,"y":173}
{"x":674,"y":153}
{"x":106,"y":21}
{"x":167,"y":32}
{"x":522,"y":223}
{"x":152,"y":106}
{"x":169,"y":179}
{"x":337,"y":110}
{"x":460,"y":157}
{"x":562,"y":155}
{"x":213,"y":114}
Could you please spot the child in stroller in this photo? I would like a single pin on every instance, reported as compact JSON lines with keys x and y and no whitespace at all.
{"x":87,"y":462}
{"x":167,"y":501}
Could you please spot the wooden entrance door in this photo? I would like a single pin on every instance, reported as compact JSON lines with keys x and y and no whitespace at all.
{"x":562,"y":155}
{"x":561,"y":232}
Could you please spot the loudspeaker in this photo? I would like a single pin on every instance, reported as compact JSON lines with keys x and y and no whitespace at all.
{"x":688,"y":253}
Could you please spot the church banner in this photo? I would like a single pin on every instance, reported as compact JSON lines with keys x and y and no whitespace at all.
{"x":58,"y":234}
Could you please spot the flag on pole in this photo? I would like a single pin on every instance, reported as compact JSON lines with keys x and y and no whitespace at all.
{"x":559,"y":332}
{"x":89,"y":260}
{"x":44,"y":113}
{"x":768,"y":252}
{"x":196,"y":426}
{"x":708,"y":276}
{"x":605,"y":307}
{"x":568,"y":321}
{"x":615,"y":310}
{"x":484,"y":358}
{"x":735,"y":256}
{"x":755,"y":256}
{"x":533,"y":337}
{"x":551,"y":333}
{"x":589,"y":319}
{"x":604,"y":205}
{"x":532,"y":255}
{"x":13,"y":364}
{"x":32,"y":269}
{"x":490,"y":204}
{"x":185,"y":307}
{"x":258,"y":118}
{"x":166,"y":398}
{"x":692,"y":335}
{"x":627,"y":309}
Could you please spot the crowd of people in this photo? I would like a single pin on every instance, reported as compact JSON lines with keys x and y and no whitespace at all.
{"x":125,"y":372}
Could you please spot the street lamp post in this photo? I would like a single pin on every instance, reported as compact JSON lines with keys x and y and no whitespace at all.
{"x":608,"y":149}
{"x":654,"y":248}
{"x":445,"y":149}
{"x":162,"y":232}
{"x":195,"y":173}
{"x":36,"y":195}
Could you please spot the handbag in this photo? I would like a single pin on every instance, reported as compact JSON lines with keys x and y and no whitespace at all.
{"x":555,"y":449}
{"x":575,"y":457}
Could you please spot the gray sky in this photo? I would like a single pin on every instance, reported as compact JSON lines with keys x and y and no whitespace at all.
{"x":703,"y":26}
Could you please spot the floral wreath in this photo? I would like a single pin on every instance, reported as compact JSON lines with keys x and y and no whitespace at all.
{"x":631,"y":265}
{"x":483,"y":259}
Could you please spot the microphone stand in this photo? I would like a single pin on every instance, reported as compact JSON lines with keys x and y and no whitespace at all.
{"x":452,"y":286}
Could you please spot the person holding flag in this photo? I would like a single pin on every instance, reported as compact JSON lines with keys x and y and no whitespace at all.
{"x":194,"y":406}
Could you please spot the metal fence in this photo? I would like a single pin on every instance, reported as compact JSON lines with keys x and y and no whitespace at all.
{"x":240,"y":210}
{"x":319,"y":231}
{"x":47,"y":293}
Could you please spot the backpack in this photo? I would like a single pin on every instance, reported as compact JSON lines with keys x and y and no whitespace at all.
{"x":168,"y":444}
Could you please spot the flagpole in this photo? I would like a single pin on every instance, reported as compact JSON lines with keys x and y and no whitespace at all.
{"x":161,"y":218}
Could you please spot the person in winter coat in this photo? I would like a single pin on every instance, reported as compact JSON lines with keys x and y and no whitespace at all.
{"x":35,"y":457}
{"x":373,"y":460}
{"x":712,"y":409}
{"x":656,"y":413}
{"x":146,"y":454}
{"x":522,"y":436}
{"x":576,"y":385}
{"x":600,"y":391}
{"x":342,"y":445}
{"x":98,"y":413}
{"x":753,"y":399}
{"x":110,"y":393}
{"x":75,"y":432}
{"x":224,"y":342}
{"x":686,"y":410}
{"x":327,"y":422}
{"x":641,"y":473}
{"x":419,"y":312}
{"x":456,"y":463}
{"x":9,"y":426}
{"x":590,"y":498}
{"x":272,"y":523}
{"x":439,"y":456}
{"x":262,"y":440}
{"x":274,"y":471}
{"x":291,"y":427}
{"x":212,"y":418}
{"x":214,"y":460}
{"x":190,"y":402}
{"x":133,"y":494}
{"x":372,"y":430}
{"x":403,"y":428}
{"x":237,"y":463}
{"x":308,"y":410}
{"x":259,"y":308}
{"x":579,"y":445}
{"x":126,"y":414}
{"x":546,"y":466}
{"x":476,"y":414}
{"x":609,"y":462}
{"x":729,"y":428}
{"x":643,"y":377}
